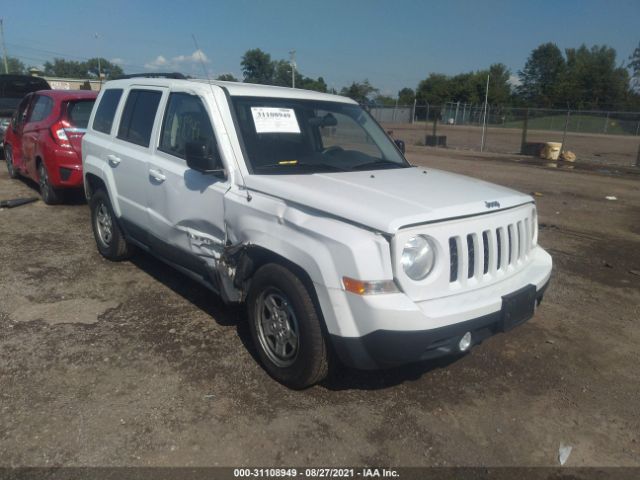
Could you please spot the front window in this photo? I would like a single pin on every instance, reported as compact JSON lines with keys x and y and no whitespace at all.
{"x":286,"y":136}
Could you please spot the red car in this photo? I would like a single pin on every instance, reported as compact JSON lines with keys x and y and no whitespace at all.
{"x":44,"y":137}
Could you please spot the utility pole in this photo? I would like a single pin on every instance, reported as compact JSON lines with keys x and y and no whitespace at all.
{"x":99,"y":68}
{"x":484,"y":117}
{"x":292,"y":61}
{"x":4,"y":48}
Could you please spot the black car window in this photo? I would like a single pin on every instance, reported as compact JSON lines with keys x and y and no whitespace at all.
{"x":103,"y":119}
{"x":21,"y":111}
{"x":78,"y":112}
{"x":41,"y":109}
{"x":185,"y":120}
{"x":138,"y":116}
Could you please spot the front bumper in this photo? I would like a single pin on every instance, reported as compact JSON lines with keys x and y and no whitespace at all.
{"x":388,"y":348}
{"x":382,"y":331}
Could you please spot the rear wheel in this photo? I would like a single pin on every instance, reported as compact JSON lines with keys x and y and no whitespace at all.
{"x":106,"y":231}
{"x":8,"y":156}
{"x":286,"y":329}
{"x":49,"y":194}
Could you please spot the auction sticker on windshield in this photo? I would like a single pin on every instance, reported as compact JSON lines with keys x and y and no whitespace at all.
{"x":275,"y":120}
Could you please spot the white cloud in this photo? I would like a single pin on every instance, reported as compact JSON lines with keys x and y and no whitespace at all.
{"x":117,"y":61}
{"x":178,"y":62}
{"x":160,"y":61}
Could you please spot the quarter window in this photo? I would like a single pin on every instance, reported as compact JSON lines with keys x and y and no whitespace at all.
{"x":185,"y":120}
{"x":106,"y":110}
{"x":138,"y":116}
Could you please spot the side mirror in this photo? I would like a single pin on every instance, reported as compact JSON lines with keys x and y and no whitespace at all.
{"x":400,"y":145}
{"x":199,"y":158}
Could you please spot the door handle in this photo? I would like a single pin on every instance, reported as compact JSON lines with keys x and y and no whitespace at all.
{"x":113,"y":160}
{"x":157,"y":175}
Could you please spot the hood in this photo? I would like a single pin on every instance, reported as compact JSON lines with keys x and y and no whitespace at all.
{"x":386,"y":200}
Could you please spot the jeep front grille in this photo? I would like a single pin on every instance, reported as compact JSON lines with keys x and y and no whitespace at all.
{"x":489,"y":251}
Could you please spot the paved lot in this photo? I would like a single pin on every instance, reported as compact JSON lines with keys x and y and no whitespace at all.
{"x":133,"y":364}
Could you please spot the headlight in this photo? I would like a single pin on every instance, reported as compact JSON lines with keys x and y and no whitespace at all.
{"x":418,"y":257}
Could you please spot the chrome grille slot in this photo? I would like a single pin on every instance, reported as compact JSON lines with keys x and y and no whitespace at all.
{"x":512,"y":240}
{"x":485,"y":251}
{"x":471,"y":255}
{"x":499,"y":247}
{"x":453,"y":259}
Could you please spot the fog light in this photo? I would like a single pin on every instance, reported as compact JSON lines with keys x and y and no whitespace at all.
{"x":465,"y":342}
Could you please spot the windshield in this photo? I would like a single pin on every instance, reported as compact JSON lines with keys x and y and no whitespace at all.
{"x":290,"y":136}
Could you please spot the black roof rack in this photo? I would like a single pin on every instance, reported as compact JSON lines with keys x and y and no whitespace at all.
{"x":175,"y":75}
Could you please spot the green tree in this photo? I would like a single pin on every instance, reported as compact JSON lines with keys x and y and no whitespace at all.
{"x":540,"y":78}
{"x":257,"y":67}
{"x":499,"y":86}
{"x":282,"y":74}
{"x":15,"y":66}
{"x":226,"y":77}
{"x":361,"y":92}
{"x":385,"y":100}
{"x":434,"y":90}
{"x":319,"y":85}
{"x":107,"y":69}
{"x":406,"y":96}
{"x":65,"y":68}
{"x":592,"y":79}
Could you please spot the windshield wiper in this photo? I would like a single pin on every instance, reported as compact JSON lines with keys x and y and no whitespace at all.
{"x":302,"y":165}
{"x":377,"y":164}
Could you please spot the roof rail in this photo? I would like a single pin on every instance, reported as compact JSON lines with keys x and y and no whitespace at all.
{"x":174,"y":75}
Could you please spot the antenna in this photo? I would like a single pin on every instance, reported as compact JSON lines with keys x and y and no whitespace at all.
{"x":206,"y":74}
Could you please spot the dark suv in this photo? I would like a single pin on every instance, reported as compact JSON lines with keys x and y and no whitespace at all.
{"x":13,"y":88}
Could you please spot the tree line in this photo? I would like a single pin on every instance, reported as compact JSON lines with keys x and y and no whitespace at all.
{"x":586,"y":78}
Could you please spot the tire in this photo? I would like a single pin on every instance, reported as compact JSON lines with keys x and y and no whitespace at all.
{"x":8,"y":156}
{"x":49,"y":195}
{"x":280,"y":308}
{"x":106,"y":231}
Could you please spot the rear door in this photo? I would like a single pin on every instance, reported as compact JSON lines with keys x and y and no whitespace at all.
{"x":36,"y":125}
{"x":127,"y":157}
{"x":186,"y":207}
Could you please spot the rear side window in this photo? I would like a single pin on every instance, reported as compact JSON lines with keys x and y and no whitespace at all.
{"x":138,"y":116}
{"x":78,"y":113}
{"x":106,"y":110}
{"x":41,"y":109}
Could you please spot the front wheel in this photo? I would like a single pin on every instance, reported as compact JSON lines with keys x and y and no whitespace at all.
{"x":109,"y":238}
{"x":286,"y":329}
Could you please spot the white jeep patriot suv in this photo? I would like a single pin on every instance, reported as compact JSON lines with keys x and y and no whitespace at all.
{"x":298,"y":204}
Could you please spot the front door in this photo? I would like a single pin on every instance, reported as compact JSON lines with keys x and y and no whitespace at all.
{"x":17,"y":125}
{"x":186,"y":207}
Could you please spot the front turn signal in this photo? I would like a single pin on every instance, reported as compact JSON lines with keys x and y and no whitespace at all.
{"x":362,"y":287}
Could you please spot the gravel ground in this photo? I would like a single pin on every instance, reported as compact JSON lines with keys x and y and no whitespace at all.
{"x":133,"y":364}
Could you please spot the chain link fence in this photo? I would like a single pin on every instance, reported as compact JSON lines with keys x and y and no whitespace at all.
{"x":606,"y":137}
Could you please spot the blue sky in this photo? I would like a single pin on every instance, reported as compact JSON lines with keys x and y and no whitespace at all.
{"x":393,"y":43}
